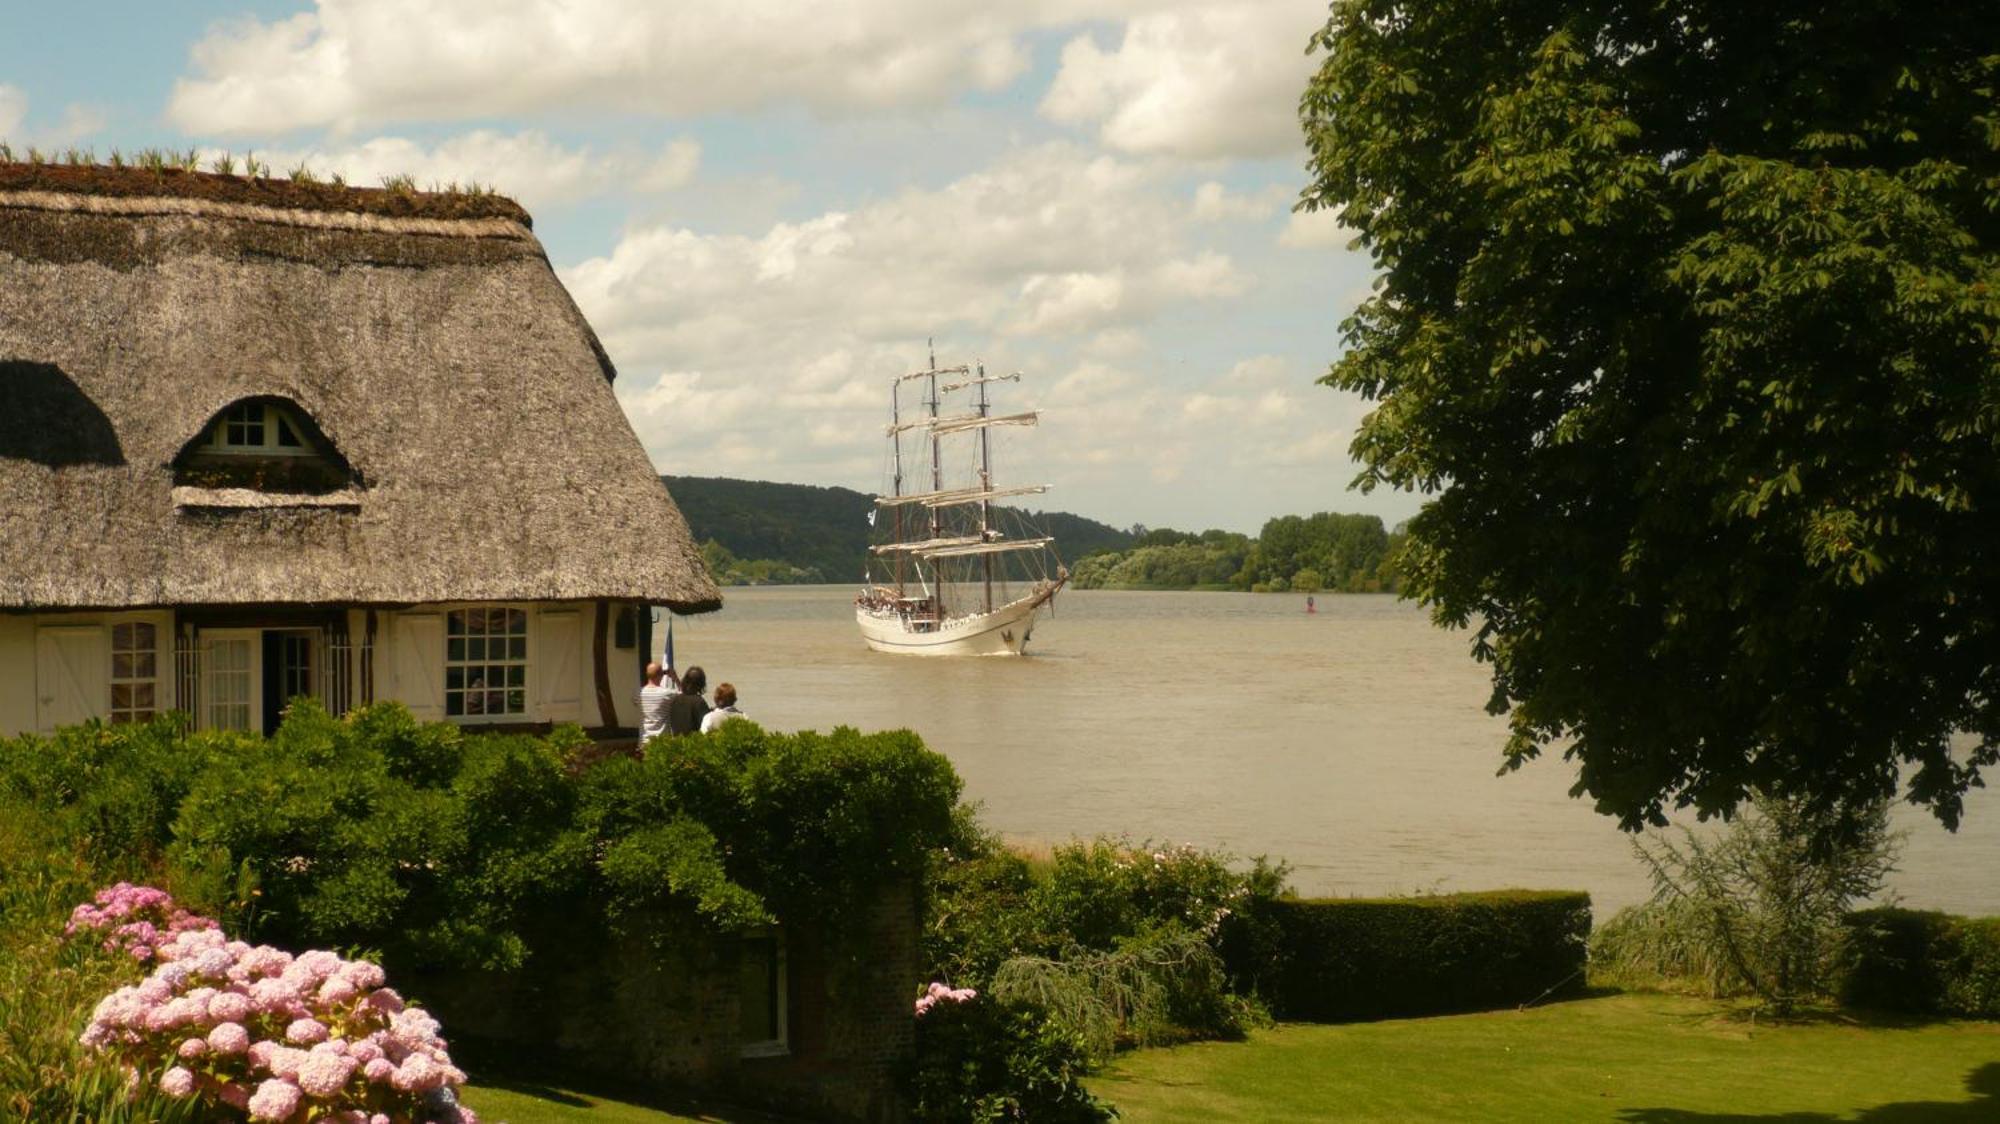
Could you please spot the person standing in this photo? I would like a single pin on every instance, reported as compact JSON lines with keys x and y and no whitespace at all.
{"x":654,"y":698}
{"x":685,"y":713}
{"x":725,"y":709}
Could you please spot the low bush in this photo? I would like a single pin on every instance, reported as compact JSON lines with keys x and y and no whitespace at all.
{"x":1360,"y":958}
{"x":1116,"y":941}
{"x":978,"y":1059}
{"x":1923,"y":963}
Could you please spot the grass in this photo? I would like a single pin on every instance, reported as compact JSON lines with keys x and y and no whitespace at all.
{"x":1631,"y":1058}
{"x":1637,"y":1058}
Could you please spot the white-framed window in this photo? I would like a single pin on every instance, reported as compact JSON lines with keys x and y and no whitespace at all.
{"x":262,"y":429}
{"x":486,"y":663}
{"x":135,"y":671}
{"x":761,"y":994}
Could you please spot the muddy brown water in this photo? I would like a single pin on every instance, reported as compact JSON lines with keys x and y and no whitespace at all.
{"x":1351,"y":742}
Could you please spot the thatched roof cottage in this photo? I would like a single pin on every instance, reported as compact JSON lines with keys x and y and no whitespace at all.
{"x":261,"y":439}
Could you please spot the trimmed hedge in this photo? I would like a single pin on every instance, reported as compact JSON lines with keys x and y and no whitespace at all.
{"x":1370,"y":958}
{"x":1926,"y":963}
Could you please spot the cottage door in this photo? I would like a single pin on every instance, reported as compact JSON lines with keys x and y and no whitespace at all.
{"x":232,"y":688}
{"x":558,"y":651}
{"x":72,"y":677}
{"x":418,"y":670}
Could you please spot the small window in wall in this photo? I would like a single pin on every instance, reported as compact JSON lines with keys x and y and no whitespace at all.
{"x":625,"y":635}
{"x":259,"y":429}
{"x":135,"y":671}
{"x":760,"y":994}
{"x":486,"y":663}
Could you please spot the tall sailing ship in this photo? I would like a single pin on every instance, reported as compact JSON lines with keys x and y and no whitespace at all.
{"x":950,"y":581}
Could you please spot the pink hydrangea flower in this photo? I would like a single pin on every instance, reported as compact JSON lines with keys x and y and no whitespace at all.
{"x":305,"y":1032}
{"x":323,"y":1075}
{"x":229,"y":1038}
{"x":177,"y":1082}
{"x":274,"y":1100}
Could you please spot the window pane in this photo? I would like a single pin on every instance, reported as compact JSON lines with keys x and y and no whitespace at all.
{"x":517,"y":676}
{"x":285,"y":435}
{"x":517,"y":648}
{"x":142,"y":697}
{"x":454,"y":703}
{"x":454,"y":649}
{"x":121,"y":665}
{"x":121,"y":637}
{"x":517,"y":621}
{"x":121,"y":696}
{"x":517,"y":702}
{"x":145,"y":637}
{"x":475,"y":649}
{"x":143,"y":666}
{"x":757,"y":991}
{"x":496,"y":702}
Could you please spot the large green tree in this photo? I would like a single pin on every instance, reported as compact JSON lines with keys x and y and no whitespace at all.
{"x":1686,"y":324}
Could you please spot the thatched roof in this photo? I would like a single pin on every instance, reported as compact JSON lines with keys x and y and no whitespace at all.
{"x":430,"y":344}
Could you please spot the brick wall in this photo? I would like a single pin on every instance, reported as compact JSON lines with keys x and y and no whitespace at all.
{"x":666,"y":1013}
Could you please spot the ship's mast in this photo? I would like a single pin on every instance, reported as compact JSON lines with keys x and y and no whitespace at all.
{"x":896,"y":442}
{"x":985,"y":485}
{"x":937,"y":468}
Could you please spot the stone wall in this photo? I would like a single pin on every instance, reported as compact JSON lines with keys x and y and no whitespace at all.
{"x":665,"y":1013}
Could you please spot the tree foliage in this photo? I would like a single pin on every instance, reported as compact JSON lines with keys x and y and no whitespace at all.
{"x":1686,"y":323}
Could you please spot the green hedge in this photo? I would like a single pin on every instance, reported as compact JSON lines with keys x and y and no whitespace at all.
{"x":1928,"y":963}
{"x":1363,"y":958}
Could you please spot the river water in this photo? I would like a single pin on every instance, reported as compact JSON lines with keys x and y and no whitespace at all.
{"x":1352,"y":742}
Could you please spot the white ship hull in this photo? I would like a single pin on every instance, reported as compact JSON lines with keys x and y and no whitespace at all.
{"x":1002,"y":632}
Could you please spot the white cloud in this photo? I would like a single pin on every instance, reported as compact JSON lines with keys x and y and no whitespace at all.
{"x":79,"y":121}
{"x":1315,"y":230}
{"x":13,"y":109}
{"x":349,"y":64}
{"x":1214,"y":202}
{"x":780,"y":334}
{"x":527,"y":165}
{"x":1204,"y":81}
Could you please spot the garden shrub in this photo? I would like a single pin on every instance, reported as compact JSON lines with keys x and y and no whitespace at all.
{"x":977,"y":1059}
{"x":1361,"y":958}
{"x":447,"y":849}
{"x":1758,"y":907}
{"x":1923,"y":963}
{"x":1115,"y":941}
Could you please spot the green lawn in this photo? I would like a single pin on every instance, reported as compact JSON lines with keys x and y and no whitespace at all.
{"x":1647,"y":1059}
{"x":1639,"y":1059}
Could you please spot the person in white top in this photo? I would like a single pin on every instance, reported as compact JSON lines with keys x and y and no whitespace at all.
{"x":725,"y":709}
{"x":653,"y":700}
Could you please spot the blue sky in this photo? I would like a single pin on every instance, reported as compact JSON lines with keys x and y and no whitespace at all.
{"x":766,"y":206}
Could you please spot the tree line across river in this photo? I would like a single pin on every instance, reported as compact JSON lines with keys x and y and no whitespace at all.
{"x":755,"y":532}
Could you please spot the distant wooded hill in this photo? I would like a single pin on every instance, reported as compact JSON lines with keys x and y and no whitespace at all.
{"x":755,"y":532}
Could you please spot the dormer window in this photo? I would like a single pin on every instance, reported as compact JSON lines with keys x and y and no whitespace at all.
{"x":258,"y":429}
{"x":265,"y":444}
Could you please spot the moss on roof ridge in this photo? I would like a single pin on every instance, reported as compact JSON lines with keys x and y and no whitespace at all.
{"x":176,"y":183}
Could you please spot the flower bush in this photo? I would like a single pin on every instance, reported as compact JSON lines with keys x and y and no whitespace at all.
{"x":134,"y":919}
{"x":938,"y":993}
{"x":252,"y":1031}
{"x":981,"y":1060}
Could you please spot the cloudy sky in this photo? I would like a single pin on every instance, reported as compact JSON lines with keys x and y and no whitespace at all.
{"x":766,"y":207}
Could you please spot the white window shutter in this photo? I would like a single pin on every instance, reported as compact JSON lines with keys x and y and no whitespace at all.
{"x":419,"y":676}
{"x":556,"y":667}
